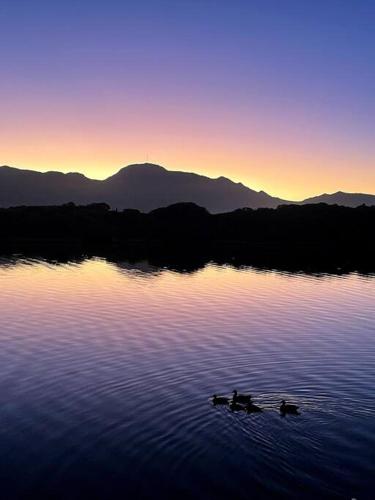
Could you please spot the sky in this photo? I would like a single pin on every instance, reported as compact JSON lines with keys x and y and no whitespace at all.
{"x":277,"y":94}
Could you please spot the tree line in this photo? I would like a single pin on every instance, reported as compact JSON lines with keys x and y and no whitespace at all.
{"x":317,"y":234}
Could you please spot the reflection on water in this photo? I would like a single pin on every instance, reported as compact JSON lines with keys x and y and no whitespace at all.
{"x":106,"y":369}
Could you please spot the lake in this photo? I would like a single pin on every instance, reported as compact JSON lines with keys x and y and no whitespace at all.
{"x":106,"y":370}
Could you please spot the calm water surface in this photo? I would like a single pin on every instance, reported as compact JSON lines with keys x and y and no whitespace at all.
{"x":106,"y":370}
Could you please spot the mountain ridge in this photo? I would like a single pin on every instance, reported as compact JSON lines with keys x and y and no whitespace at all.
{"x":343,"y":198}
{"x":145,"y":187}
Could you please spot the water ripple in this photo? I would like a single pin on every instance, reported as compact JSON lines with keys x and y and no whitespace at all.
{"x":106,"y":369}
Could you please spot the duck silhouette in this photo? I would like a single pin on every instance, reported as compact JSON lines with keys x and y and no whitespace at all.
{"x":234,"y":406}
{"x":253,"y":408}
{"x":286,"y":408}
{"x":220,"y":400}
{"x":241,"y":398}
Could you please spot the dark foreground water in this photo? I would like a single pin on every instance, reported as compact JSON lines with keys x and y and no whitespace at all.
{"x":106,"y":370}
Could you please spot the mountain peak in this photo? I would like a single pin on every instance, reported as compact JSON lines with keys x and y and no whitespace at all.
{"x":142,"y":167}
{"x":145,"y":186}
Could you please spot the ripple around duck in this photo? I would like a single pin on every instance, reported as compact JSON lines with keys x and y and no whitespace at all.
{"x":105,"y":374}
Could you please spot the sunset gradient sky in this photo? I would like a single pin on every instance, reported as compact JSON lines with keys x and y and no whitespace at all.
{"x":277,"y":94}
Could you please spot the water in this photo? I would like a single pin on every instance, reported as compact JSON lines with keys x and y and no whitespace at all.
{"x":106,"y":370}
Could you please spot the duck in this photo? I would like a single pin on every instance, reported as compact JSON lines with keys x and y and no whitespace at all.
{"x":252,"y":408}
{"x":285,"y":408}
{"x":241,"y":398}
{"x":234,"y":406}
{"x":220,"y":400}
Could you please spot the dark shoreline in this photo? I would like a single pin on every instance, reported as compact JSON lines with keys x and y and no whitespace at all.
{"x":313,"y":239}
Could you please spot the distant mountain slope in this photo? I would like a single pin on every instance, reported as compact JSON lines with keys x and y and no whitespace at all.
{"x":344,"y":199}
{"x":150,"y":186}
{"x":27,"y":187}
{"x":144,"y":187}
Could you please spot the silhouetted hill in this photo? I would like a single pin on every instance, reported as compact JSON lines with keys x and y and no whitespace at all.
{"x":144,"y":187}
{"x":344,"y":199}
{"x":147,"y":187}
{"x":27,"y":187}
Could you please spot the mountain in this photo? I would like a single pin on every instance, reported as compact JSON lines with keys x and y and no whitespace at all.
{"x":344,"y":199}
{"x":150,"y":186}
{"x":144,"y":187}
{"x":27,"y":187}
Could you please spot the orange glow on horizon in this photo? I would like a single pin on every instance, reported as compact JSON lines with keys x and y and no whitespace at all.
{"x":289,"y":183}
{"x":290,"y":161}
